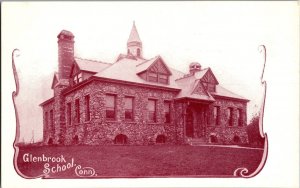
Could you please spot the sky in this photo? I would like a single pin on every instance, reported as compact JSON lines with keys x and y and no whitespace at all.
{"x":222,"y":37}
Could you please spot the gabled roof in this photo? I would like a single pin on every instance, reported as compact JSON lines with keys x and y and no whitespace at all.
{"x":149,"y":63}
{"x":207,"y":76}
{"x":90,"y":65}
{"x":126,"y":70}
{"x":134,"y":35}
{"x":221,"y":91}
{"x":55,"y":80}
{"x":188,"y":86}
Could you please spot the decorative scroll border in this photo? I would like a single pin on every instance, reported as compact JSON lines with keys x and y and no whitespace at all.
{"x":239,"y":172}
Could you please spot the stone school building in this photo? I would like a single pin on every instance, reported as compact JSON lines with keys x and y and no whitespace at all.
{"x":138,"y":101}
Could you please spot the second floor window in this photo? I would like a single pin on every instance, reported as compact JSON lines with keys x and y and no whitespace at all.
{"x":110,"y":102}
{"x":151,"y":110}
{"x":77,"y":111}
{"x":129,"y":108}
{"x":77,"y":78}
{"x":167,"y":106}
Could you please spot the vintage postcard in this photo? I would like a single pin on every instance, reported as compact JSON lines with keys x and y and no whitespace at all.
{"x":133,"y":90}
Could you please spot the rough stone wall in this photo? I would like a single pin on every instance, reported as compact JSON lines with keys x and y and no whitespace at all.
{"x":99,"y":130}
{"x":225,"y":133}
{"x":59,"y":112}
{"x":179,"y":121}
{"x":47,"y":131}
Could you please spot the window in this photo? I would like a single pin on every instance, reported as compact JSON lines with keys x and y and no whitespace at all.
{"x":211,"y":87}
{"x":153,"y":77}
{"x":46,"y":120}
{"x":69,"y":114}
{"x":87,"y":107}
{"x":217,"y":115}
{"x":229,"y":116}
{"x":163,"y":78}
{"x":239,"y":117}
{"x":77,"y":78}
{"x":121,"y":139}
{"x":77,"y":111}
{"x":51,"y":120}
{"x":138,"y":52}
{"x":128,"y":108}
{"x":151,"y":110}
{"x":110,"y":103}
{"x":167,"y":105}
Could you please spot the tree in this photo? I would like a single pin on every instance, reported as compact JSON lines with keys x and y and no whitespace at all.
{"x":254,"y":136}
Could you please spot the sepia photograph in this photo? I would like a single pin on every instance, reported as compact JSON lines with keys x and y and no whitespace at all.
{"x":110,"y":90}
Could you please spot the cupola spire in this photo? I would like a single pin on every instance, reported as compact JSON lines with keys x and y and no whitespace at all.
{"x":134,"y":43}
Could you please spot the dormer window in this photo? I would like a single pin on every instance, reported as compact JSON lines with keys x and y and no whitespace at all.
{"x":154,"y":70}
{"x":158,"y":77}
{"x":163,"y":78}
{"x":77,"y":78}
{"x":153,"y":77}
{"x":209,"y":87}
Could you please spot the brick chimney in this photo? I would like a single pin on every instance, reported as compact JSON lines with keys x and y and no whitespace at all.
{"x":65,"y":53}
{"x":194,"y":67}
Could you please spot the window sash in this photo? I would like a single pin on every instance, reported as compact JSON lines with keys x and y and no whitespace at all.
{"x":69,"y":119}
{"x":167,"y":106}
{"x":128,"y":103}
{"x":128,"y":114}
{"x":152,"y":116}
{"x":110,"y":102}
{"x":87,"y":107}
{"x":217,"y":115}
{"x":77,"y":111}
{"x":229,"y":116}
{"x":239,"y":117}
{"x":128,"y":108}
{"x":46,"y":119}
{"x":151,"y":110}
{"x":51,"y":119}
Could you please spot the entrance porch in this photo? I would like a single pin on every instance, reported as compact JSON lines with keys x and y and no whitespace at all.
{"x":195,"y":122}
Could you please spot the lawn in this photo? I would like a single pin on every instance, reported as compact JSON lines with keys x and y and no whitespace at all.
{"x":142,"y":161}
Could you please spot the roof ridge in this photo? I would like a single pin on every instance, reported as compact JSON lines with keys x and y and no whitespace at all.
{"x":147,"y":60}
{"x":189,"y":75}
{"x":92,"y":60}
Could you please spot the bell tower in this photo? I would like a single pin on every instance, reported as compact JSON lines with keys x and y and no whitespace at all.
{"x":134,"y":43}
